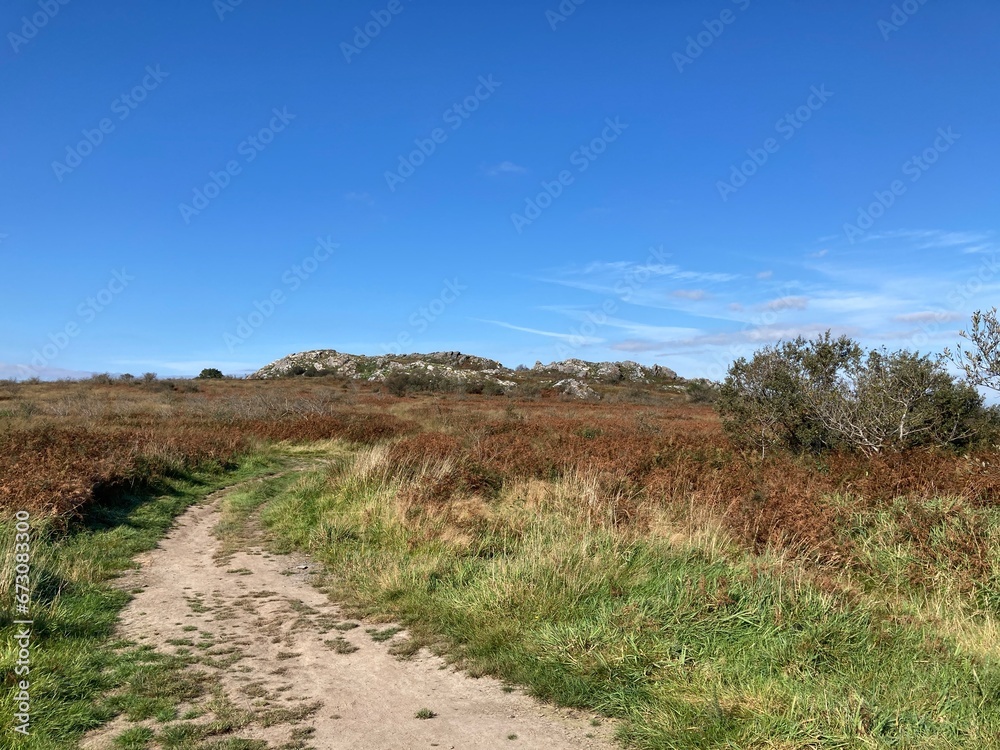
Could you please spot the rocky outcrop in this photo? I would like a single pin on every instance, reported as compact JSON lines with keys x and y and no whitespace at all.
{"x":458,"y":369}
{"x":608,"y":372}
{"x":576,"y":389}
{"x":453,"y":366}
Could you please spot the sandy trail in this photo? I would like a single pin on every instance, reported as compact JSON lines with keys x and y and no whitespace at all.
{"x":278,"y":648}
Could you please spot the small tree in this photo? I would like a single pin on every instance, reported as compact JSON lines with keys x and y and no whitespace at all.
{"x":898,"y":400}
{"x":830,"y":393}
{"x":772,"y":399}
{"x":981,"y":363}
{"x":210,"y":373}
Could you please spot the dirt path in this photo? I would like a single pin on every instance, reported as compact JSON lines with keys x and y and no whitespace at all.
{"x":280,"y":655}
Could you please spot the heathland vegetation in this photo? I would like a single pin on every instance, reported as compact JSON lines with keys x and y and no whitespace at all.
{"x":819,"y":568}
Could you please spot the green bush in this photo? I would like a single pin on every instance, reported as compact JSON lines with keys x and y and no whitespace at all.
{"x":400,"y":383}
{"x":210,"y":373}
{"x":702,"y":391}
{"x":813,"y":395}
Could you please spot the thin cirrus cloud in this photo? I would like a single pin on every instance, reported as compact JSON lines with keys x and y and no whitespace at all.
{"x":643,"y":282}
{"x":926,"y":239}
{"x":874,"y":297}
{"x":505,"y":167}
{"x":762,"y":335}
{"x":691,"y":294}
{"x":637,"y":346}
{"x":569,"y":337}
{"x":787,"y":303}
{"x":929,"y":316}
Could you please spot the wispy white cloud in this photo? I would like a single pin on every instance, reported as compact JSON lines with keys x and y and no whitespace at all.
{"x":763,"y":335}
{"x":648,"y":332}
{"x":637,"y":346}
{"x":575,"y":338}
{"x":505,"y":167}
{"x":691,"y":294}
{"x":787,"y":303}
{"x":925,"y":239}
{"x":929,"y":316}
{"x":612,"y":271}
{"x":650,"y":285}
{"x":874,"y":297}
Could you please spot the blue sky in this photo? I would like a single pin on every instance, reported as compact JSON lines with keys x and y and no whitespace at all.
{"x":195,"y":184}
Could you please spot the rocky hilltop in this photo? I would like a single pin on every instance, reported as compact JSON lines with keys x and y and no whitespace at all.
{"x":574,"y":377}
{"x":608,"y":372}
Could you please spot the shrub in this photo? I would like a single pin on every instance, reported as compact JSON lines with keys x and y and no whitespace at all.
{"x":830,"y":393}
{"x":525,"y":391}
{"x":210,"y":373}
{"x":400,"y":383}
{"x":493,"y":388}
{"x":702,"y":391}
{"x":763,"y":402}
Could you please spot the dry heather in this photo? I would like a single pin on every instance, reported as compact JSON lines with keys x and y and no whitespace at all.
{"x":62,"y":444}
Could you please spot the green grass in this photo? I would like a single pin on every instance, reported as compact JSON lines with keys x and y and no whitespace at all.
{"x":341,"y":645}
{"x":383,"y":635}
{"x":80,"y":676}
{"x":688,"y":644}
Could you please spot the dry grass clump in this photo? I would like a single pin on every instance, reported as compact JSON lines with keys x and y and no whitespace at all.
{"x":62,"y":444}
{"x":634,"y":463}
